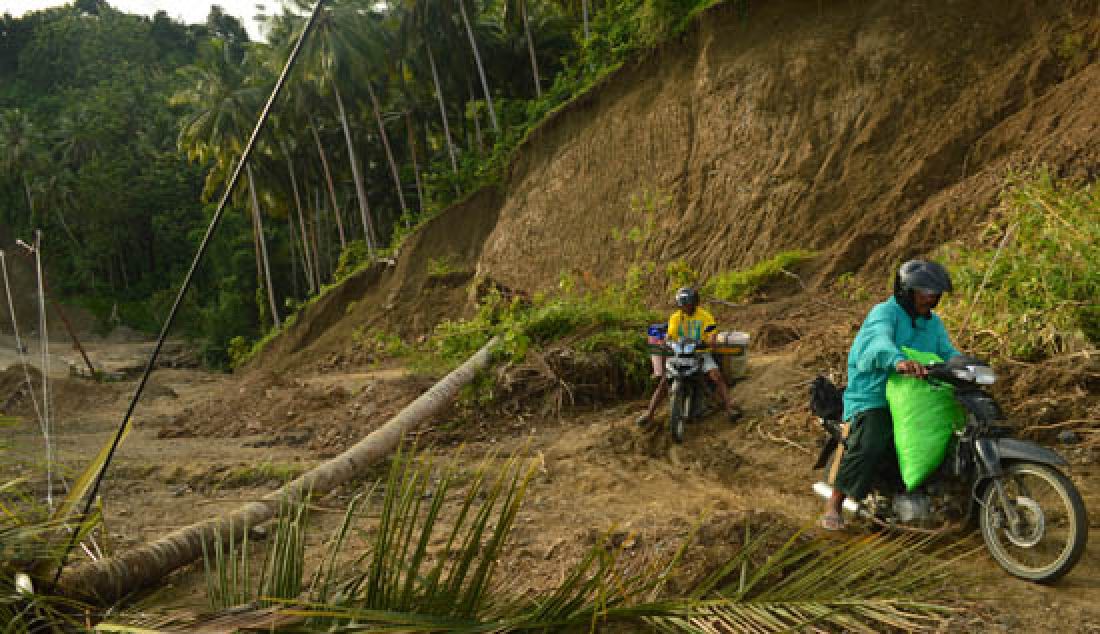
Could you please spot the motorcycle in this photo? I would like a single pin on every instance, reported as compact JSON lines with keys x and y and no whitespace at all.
{"x":1031,"y":516}
{"x":688,"y":385}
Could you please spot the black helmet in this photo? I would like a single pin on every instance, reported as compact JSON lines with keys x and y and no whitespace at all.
{"x":921,"y":275}
{"x":687,"y":296}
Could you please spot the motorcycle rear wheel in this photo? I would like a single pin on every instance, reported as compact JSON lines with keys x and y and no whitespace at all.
{"x":1053,"y":526}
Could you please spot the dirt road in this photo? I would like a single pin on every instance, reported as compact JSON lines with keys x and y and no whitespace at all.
{"x":597,"y":471}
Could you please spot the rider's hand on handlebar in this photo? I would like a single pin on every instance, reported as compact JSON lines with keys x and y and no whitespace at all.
{"x":912,"y":368}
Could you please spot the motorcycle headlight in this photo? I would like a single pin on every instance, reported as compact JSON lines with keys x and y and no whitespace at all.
{"x":686,"y":365}
{"x":983,"y":375}
{"x":689,"y":348}
{"x":965,"y":374}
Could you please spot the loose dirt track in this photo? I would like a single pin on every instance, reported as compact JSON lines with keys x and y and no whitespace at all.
{"x":206,"y":443}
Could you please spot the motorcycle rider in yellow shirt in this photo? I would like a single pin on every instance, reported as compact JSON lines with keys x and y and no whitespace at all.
{"x":692,"y":321}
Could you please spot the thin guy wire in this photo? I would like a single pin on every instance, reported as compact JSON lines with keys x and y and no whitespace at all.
{"x":190,"y":274}
{"x":19,"y":349}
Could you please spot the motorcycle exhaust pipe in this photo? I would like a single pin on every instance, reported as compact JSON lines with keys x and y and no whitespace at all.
{"x":826,"y":491}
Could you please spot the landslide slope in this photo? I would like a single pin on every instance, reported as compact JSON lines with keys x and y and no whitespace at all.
{"x":869,"y":131}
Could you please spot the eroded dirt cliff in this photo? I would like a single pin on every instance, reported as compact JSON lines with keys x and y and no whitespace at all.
{"x":870,"y":131}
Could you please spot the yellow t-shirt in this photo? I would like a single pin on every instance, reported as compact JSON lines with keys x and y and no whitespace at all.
{"x":700,"y":325}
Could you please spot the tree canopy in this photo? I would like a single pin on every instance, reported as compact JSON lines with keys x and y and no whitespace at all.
{"x":117,"y":131}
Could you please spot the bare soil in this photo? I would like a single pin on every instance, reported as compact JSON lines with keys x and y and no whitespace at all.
{"x":870,"y":131}
{"x":598,"y":472}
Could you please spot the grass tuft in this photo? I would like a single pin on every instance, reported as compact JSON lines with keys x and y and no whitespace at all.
{"x":1028,"y":288}
{"x":737,"y":286}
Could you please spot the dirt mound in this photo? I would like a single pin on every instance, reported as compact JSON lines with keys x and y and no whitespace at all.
{"x":15,"y":389}
{"x":407,"y":296}
{"x":313,"y":413}
{"x":69,"y":398}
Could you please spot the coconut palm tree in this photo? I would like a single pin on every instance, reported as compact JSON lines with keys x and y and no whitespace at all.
{"x":147,"y":565}
{"x":223,"y":97}
{"x":20,"y":152}
{"x":477,"y":59}
{"x":303,"y":233}
{"x":335,"y":56}
{"x":421,"y":23}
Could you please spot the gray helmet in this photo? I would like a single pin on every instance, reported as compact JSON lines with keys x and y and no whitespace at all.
{"x":922,"y":275}
{"x":687,"y":296}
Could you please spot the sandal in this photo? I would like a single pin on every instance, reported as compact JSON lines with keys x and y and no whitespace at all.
{"x":832,"y":522}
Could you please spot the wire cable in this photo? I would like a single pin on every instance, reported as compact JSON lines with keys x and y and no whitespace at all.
{"x":190,"y":275}
{"x":44,"y":342}
{"x":19,"y":349}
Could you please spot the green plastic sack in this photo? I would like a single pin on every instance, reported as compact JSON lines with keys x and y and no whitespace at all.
{"x":925,"y":415}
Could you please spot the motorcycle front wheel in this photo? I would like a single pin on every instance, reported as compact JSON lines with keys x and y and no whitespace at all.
{"x":679,"y":409}
{"x":1052,"y":526}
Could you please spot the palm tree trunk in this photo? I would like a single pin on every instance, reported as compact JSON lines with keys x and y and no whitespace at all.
{"x":480,"y":147}
{"x":389,"y":152}
{"x":259,"y":259}
{"x":315,"y":232}
{"x":292,"y":244}
{"x":30,"y":199}
{"x":65,"y":227}
{"x":416,"y":164}
{"x":328,"y":180}
{"x":144,"y":567}
{"x":442,"y":110}
{"x":360,"y":190}
{"x":263,"y":248}
{"x":480,"y":68}
{"x":530,"y":46}
{"x":584,"y":11}
{"x":308,"y":270}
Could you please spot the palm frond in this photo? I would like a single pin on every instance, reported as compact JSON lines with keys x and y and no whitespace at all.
{"x":861,"y":584}
{"x":30,"y":547}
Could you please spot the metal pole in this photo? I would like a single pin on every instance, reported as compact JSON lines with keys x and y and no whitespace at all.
{"x":44,"y":343}
{"x":190,"y":275}
{"x":60,"y":313}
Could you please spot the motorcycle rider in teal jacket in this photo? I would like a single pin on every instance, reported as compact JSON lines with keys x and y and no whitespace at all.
{"x":876,"y":352}
{"x":906,"y":319}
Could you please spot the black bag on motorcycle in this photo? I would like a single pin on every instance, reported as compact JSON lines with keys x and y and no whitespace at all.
{"x":827,"y":403}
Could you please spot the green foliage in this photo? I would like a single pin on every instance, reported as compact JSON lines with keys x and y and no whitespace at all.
{"x":31,"y":544}
{"x":680,"y":274}
{"x":353,"y":258}
{"x":739,"y":285}
{"x":876,"y":583}
{"x":851,"y":288}
{"x":619,"y":31}
{"x":261,"y":473}
{"x":91,"y":111}
{"x":1036,"y":296}
{"x":386,"y":344}
{"x":613,"y":312}
{"x":428,"y":538}
{"x":227,"y":564}
{"x":434,"y":535}
{"x":240,"y":351}
{"x":442,"y":266}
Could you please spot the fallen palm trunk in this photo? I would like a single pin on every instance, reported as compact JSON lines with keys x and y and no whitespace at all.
{"x":113,"y":578}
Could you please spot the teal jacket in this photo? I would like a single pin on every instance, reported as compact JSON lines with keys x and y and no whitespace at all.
{"x":877,"y":349}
